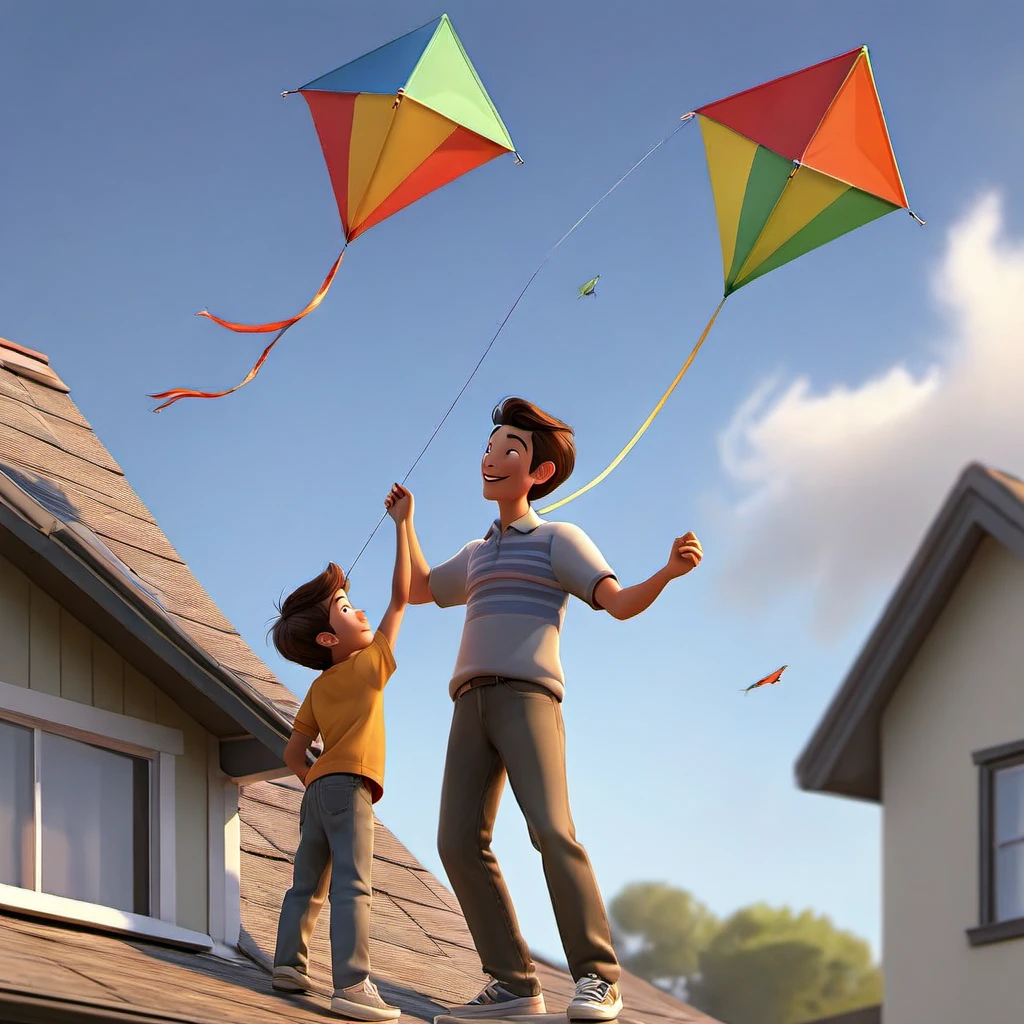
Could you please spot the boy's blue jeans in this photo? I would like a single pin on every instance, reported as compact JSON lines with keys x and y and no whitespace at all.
{"x":335,"y":850}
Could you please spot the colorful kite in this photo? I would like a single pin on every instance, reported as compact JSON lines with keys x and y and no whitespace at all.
{"x":394,"y":124}
{"x":589,"y":287}
{"x":767,"y":681}
{"x":794,"y":163}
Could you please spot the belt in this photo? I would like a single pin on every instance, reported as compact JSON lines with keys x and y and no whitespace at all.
{"x":472,"y":684}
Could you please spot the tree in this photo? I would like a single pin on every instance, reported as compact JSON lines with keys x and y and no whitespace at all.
{"x":660,"y":932}
{"x":769,"y":966}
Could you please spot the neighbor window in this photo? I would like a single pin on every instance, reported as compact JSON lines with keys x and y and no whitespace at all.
{"x":75,"y":819}
{"x":1001,"y":847}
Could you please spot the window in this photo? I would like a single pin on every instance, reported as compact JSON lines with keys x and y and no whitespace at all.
{"x":75,"y":819}
{"x":1001,"y":846}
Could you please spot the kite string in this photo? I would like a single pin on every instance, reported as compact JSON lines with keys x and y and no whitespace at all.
{"x":551,"y":252}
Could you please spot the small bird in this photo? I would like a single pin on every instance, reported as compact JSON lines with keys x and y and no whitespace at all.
{"x":588,"y":288}
{"x":767,"y":681}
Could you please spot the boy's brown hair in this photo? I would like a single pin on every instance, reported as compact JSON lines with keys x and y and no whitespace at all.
{"x":553,"y":440}
{"x":303,"y":615}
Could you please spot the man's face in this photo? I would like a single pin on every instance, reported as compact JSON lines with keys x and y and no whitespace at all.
{"x":505,"y":466}
{"x":348,"y":624}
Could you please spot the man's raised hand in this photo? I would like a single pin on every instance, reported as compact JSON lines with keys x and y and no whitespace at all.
{"x":686,"y":554}
{"x":399,"y":503}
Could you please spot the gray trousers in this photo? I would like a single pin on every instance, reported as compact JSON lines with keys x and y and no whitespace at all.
{"x":335,"y":857}
{"x":514,"y":728}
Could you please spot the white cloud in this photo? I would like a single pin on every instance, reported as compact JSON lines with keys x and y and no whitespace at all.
{"x":840,"y":485}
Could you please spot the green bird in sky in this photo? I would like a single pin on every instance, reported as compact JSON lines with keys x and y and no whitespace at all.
{"x":588,"y":288}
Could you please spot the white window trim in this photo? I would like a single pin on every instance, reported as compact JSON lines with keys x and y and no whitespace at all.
{"x":224,"y":832}
{"x":132,"y":736}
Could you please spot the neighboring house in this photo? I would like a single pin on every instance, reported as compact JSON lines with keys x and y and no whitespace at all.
{"x":147,"y":823}
{"x":929,"y":723}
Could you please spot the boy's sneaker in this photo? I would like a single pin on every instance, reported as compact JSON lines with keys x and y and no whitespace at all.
{"x":595,"y":999}
{"x":362,"y":1002}
{"x":290,"y":979}
{"x":497,"y":1001}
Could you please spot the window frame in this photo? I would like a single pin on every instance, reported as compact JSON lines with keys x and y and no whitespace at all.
{"x":161,"y":745}
{"x":989,"y":761}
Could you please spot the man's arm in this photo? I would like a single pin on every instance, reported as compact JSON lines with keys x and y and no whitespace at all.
{"x":419,"y":580}
{"x":419,"y":589}
{"x":392,"y":621}
{"x":624,"y":603}
{"x":295,"y":753}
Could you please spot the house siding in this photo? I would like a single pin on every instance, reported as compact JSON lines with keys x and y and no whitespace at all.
{"x":963,"y":692}
{"x":43,"y":647}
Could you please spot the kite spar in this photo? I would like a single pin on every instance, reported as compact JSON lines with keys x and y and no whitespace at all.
{"x":394,"y":125}
{"x":794,"y":163}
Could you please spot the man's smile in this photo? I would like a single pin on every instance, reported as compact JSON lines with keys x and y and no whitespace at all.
{"x":494,"y":479}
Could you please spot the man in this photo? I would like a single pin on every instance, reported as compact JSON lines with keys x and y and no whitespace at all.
{"x":507,"y":688}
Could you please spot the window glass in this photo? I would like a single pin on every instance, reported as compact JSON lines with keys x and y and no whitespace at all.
{"x":1010,"y":882}
{"x":95,"y":824}
{"x":17,"y":834}
{"x":1009,"y":804}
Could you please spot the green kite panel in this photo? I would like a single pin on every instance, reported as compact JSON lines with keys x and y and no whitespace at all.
{"x":768,"y":176}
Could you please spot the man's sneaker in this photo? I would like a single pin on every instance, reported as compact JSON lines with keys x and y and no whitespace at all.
{"x":290,"y":979}
{"x":362,"y":1002}
{"x":595,"y":999}
{"x":497,"y":1001}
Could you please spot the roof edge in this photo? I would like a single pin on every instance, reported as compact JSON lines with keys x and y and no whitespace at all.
{"x":842,"y":756}
{"x":44,"y":543}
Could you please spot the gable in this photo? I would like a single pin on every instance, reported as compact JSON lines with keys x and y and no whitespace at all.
{"x":843,"y":756}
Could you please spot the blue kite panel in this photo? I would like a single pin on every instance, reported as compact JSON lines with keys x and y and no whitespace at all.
{"x":384,"y":70}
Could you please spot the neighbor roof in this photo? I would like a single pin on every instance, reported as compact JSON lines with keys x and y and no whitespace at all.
{"x":422,"y":954}
{"x":843,"y":756}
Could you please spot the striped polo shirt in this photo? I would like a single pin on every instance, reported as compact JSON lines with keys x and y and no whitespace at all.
{"x":516,"y":586}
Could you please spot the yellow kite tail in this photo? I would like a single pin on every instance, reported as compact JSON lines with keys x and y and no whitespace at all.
{"x":646,"y":423}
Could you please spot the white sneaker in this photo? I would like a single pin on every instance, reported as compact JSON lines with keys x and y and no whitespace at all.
{"x":290,"y":979}
{"x":362,"y":1002}
{"x":595,"y":999}
{"x":496,"y":1001}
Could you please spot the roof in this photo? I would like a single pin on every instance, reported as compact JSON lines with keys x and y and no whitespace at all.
{"x":68,"y":515}
{"x":422,"y":955}
{"x":844,"y":754}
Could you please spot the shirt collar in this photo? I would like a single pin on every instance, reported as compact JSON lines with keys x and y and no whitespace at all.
{"x":524,"y":524}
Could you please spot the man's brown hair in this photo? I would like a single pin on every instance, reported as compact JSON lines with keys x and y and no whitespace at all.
{"x":552,"y":440}
{"x":304,"y":615}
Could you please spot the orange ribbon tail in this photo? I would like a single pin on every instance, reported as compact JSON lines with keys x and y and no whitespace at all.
{"x":175,"y":394}
{"x":280,"y":325}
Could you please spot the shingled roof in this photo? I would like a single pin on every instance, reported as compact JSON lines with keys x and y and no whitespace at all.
{"x":422,"y":954}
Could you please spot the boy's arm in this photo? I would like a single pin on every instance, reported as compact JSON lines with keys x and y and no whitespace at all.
{"x":624,"y":603}
{"x":392,"y":621}
{"x":295,"y":753}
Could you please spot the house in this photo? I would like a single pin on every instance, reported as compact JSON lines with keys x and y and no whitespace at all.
{"x":147,"y":823}
{"x":929,"y":724}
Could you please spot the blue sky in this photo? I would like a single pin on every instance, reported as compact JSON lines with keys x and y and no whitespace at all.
{"x":152,"y":169}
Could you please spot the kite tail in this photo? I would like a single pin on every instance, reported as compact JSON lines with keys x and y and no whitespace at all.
{"x":280,"y":325}
{"x":646,"y":423}
{"x":175,"y":394}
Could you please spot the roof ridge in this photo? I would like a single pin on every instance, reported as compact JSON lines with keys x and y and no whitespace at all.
{"x":15,"y":347}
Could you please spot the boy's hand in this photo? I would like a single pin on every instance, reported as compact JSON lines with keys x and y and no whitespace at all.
{"x":399,"y":503}
{"x":686,"y":555}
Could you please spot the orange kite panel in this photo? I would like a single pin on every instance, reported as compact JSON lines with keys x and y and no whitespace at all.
{"x":332,"y":114}
{"x":783,"y":114}
{"x":853,"y":144}
{"x":461,"y":152}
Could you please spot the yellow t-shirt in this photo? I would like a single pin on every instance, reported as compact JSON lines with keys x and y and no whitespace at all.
{"x":345,"y":706}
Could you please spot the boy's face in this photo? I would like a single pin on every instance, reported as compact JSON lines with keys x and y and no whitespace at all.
{"x":351,"y":631}
{"x":505,"y":466}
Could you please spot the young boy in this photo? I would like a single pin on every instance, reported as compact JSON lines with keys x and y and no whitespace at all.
{"x":318,"y":627}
